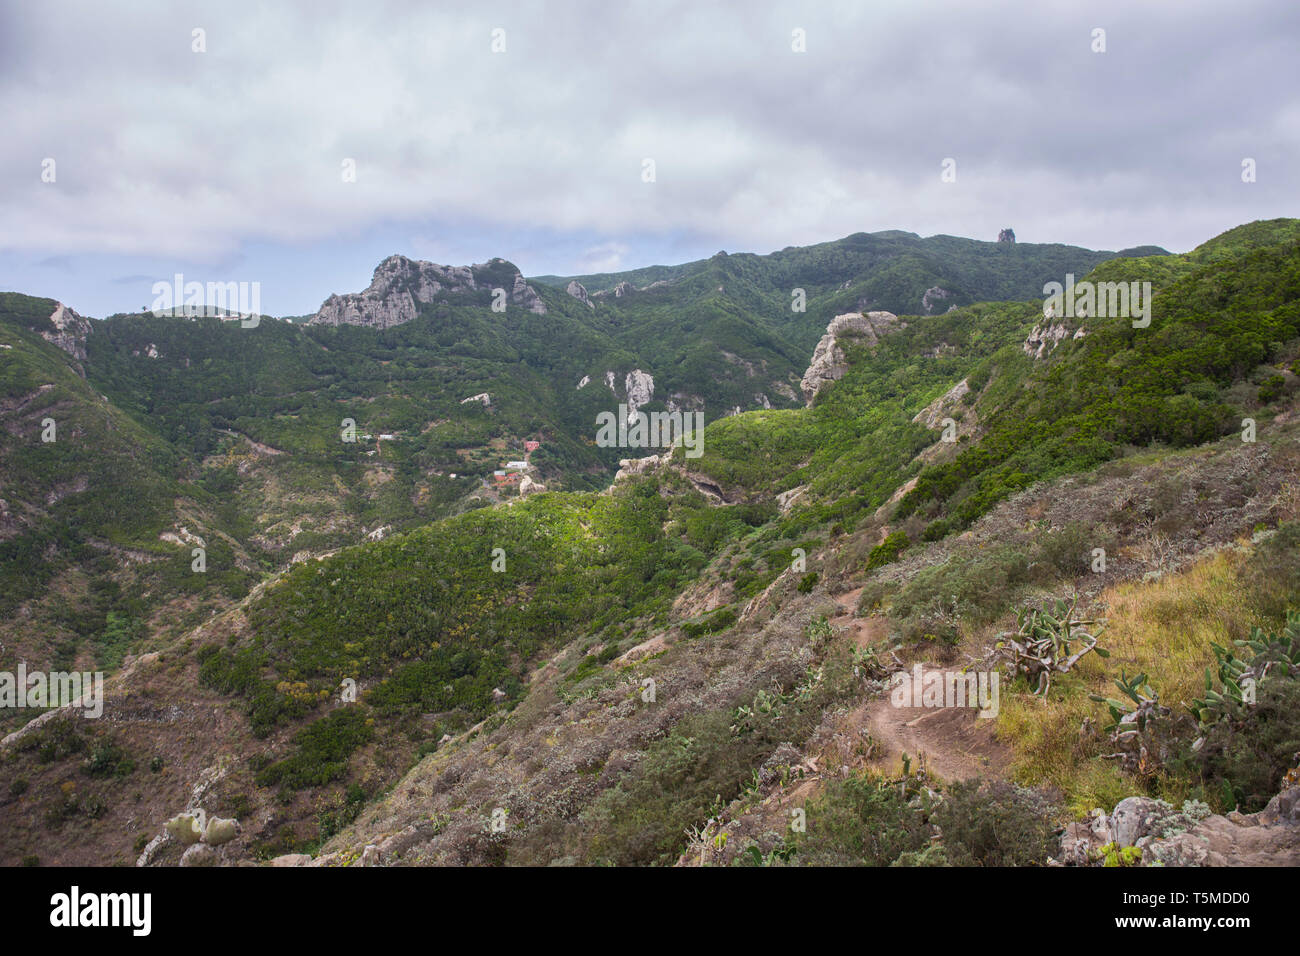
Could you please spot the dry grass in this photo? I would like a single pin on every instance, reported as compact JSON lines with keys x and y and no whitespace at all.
{"x":1162,"y":628}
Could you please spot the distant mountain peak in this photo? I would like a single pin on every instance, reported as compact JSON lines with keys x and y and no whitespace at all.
{"x":400,"y":285}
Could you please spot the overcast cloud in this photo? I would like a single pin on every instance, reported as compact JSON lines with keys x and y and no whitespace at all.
{"x":227,"y":164}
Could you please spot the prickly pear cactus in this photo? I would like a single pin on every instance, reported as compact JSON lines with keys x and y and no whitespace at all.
{"x":185,"y":827}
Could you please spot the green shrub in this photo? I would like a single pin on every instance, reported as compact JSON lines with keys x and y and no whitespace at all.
{"x":322,"y":750}
{"x":56,"y":741}
{"x":1271,"y":389}
{"x":936,"y":530}
{"x":108,"y":760}
{"x":997,"y":824}
{"x":706,"y":758}
{"x":342,"y":812}
{"x":864,"y":822}
{"x":933,"y":855}
{"x":1068,"y":550}
{"x":971,"y":585}
{"x":718,"y":621}
{"x":887,"y":551}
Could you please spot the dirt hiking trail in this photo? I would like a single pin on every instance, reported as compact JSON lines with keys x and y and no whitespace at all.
{"x":952,"y":743}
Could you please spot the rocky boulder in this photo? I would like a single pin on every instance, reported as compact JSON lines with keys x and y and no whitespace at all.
{"x":1137,"y":817}
{"x":200,"y":854}
{"x":1081,"y":843}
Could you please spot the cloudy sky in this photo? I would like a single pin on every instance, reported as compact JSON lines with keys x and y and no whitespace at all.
{"x":230,"y":164}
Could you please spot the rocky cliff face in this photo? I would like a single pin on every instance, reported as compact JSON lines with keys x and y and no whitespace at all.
{"x":70,"y":331}
{"x":1047,"y":335}
{"x":401,"y":285}
{"x":828,"y":362}
{"x":525,"y":296}
{"x":640,"y":389}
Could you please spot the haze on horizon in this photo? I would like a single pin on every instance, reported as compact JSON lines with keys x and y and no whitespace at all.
{"x":227,"y":164}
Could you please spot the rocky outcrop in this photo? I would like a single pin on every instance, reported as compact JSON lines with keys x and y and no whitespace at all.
{"x":1007,"y":235}
{"x":1048,"y":334}
{"x":1268,"y":838}
{"x":628,"y":467}
{"x":401,"y":285}
{"x":396,"y":287}
{"x":579,"y":292}
{"x":524,"y":295}
{"x":932,"y":299}
{"x":622,"y":289}
{"x":1161,"y":835}
{"x":934,"y":413}
{"x":828,"y":362}
{"x":638,"y":388}
{"x":70,"y":331}
{"x":786,"y":499}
